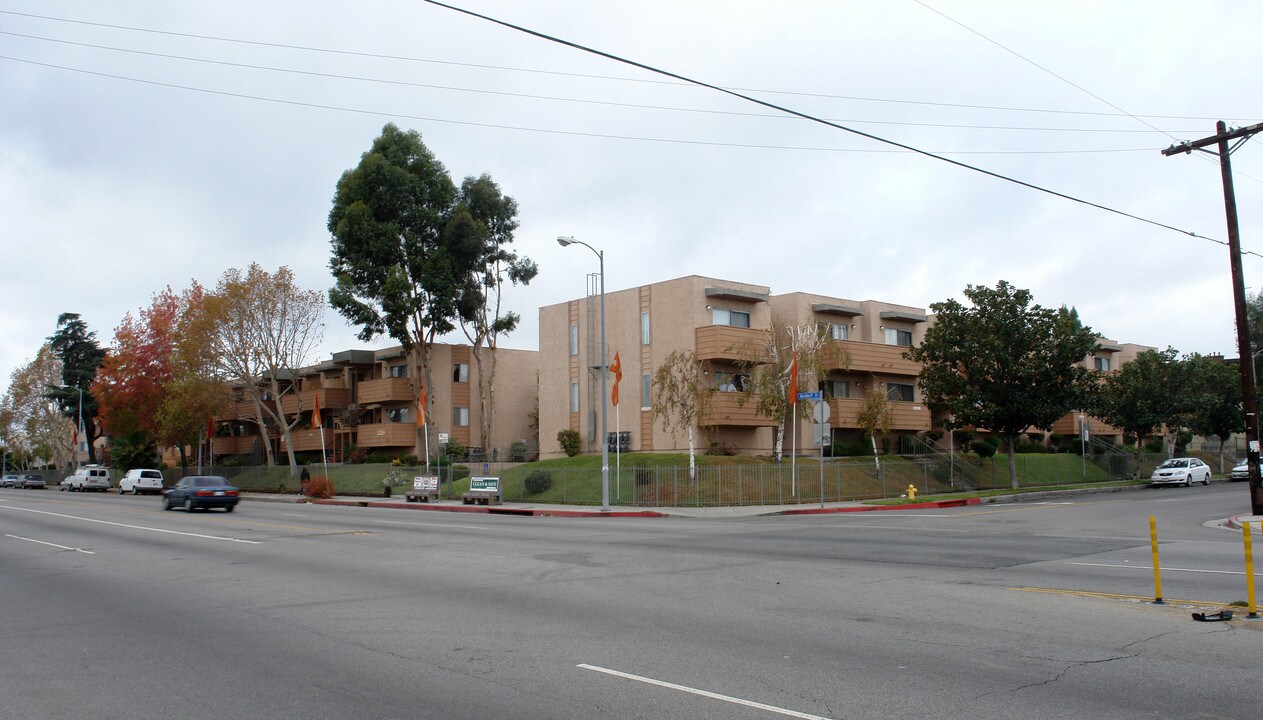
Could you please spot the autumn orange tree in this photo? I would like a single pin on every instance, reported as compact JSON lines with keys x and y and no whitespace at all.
{"x":131,"y":382}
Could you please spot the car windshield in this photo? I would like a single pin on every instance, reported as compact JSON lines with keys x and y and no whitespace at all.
{"x":1174,"y":464}
{"x":209,"y":482}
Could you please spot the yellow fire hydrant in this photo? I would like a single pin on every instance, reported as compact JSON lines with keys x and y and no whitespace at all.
{"x":912,"y":492}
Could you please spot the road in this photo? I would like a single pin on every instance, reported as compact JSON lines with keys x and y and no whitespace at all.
{"x":112,"y":607}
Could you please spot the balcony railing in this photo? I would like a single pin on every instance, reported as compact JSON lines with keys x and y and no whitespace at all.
{"x":723,"y":342}
{"x":385,"y":435}
{"x":907,"y":416}
{"x":308,"y":439}
{"x":855,"y":356}
{"x":725,"y":411}
{"x":330,"y":399}
{"x":391,"y":389}
{"x":234,"y":445}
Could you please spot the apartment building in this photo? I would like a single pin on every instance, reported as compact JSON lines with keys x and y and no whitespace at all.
{"x":368,"y":400}
{"x":728,"y":325}
{"x":869,"y":338}
{"x":1110,"y":355}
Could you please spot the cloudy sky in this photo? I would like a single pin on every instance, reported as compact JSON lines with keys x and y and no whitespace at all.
{"x":151,"y":143}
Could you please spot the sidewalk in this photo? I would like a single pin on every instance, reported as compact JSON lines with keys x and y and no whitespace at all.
{"x":547,"y":510}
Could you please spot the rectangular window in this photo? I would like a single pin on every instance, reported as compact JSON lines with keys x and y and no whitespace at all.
{"x":399,"y":371}
{"x":835,"y":331}
{"x":574,"y":397}
{"x":1102,"y":363}
{"x":574,"y":339}
{"x":460,"y":372}
{"x":644,"y":392}
{"x":836,"y":388}
{"x":898,"y":337}
{"x":460,"y":417}
{"x":397,"y":415}
{"x":899,"y":392}
{"x":644,"y":328}
{"x":734,"y":318}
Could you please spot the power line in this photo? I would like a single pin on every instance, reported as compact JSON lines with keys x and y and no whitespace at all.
{"x":405,"y":58}
{"x":805,"y":116}
{"x":550,"y":131}
{"x":553,"y":98}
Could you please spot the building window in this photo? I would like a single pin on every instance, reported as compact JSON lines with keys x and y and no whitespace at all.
{"x":644,"y":392}
{"x":836,"y":388}
{"x":460,"y":372}
{"x":734,"y":318}
{"x":900,"y":392}
{"x":397,"y":415}
{"x":835,"y":331}
{"x":574,"y":397}
{"x":644,"y":328}
{"x":730,"y":382}
{"x":898,"y":337}
{"x":1101,"y":363}
{"x":574,"y":339}
{"x":460,"y":417}
{"x":398,"y":370}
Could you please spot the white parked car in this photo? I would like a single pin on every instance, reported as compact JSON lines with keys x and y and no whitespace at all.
{"x":88,"y":477}
{"x":1181,"y":471}
{"x":1241,"y":471}
{"x":138,"y":481}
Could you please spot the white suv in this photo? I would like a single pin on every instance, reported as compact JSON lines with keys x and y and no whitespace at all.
{"x":88,"y":477}
{"x":141,"y":481}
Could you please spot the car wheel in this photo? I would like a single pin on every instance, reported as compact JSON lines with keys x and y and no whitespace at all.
{"x":135,"y":490}
{"x":188,"y":505}
{"x":166,"y":503}
{"x":1206,"y":480}
{"x":229,"y":508}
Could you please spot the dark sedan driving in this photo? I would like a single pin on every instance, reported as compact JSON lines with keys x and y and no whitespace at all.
{"x":201,"y":492}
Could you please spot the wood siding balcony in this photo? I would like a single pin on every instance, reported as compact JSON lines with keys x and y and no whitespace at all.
{"x":908,"y":416}
{"x":391,"y":389}
{"x":237,"y":411}
{"x":307,"y":439}
{"x":330,"y":399}
{"x":723,"y":342}
{"x":1069,"y":425}
{"x":868,"y":357}
{"x":385,"y":435}
{"x":725,"y":412}
{"x":235,"y":445}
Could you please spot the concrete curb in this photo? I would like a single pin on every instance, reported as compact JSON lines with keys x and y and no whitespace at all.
{"x":489,"y":509}
{"x":871,"y":508}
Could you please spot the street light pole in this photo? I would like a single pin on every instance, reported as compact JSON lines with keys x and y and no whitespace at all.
{"x":605,"y":435}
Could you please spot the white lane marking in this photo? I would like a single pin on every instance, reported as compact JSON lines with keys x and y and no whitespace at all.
{"x":294,"y":514}
{"x":41,"y":542}
{"x":400,"y":522}
{"x":136,"y":527}
{"x":705,"y":693}
{"x":1172,"y":569}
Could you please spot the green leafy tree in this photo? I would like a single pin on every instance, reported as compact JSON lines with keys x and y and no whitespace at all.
{"x":1142,"y":396}
{"x":1003,"y":364}
{"x":487,"y":217}
{"x":768,"y":363}
{"x":134,"y":449}
{"x":682,"y":396}
{"x":401,"y":265}
{"x":81,"y":356}
{"x":876,"y":415}
{"x":1214,"y":399}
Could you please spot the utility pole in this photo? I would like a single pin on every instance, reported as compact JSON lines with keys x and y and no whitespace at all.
{"x":1245,"y":363}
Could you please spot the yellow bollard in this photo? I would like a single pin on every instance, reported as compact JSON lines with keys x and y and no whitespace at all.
{"x":1157,"y":577}
{"x":912,"y":492}
{"x":1249,"y":571}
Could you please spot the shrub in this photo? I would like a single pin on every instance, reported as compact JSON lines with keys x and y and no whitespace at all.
{"x":456,"y":450}
{"x":1031,"y":447}
{"x":320,"y":487}
{"x":538,"y":481}
{"x":1154,"y":445}
{"x":569,"y":441}
{"x":376,"y":459}
{"x":357,"y":456}
{"x":985,"y":448}
{"x":721,"y":449}
{"x":406,"y":460}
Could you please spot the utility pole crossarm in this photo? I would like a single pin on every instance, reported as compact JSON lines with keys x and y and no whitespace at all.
{"x":1188,"y":147}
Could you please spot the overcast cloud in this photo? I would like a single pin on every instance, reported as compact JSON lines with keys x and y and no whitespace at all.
{"x":124,"y":172}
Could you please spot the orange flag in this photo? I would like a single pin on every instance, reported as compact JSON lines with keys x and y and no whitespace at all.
{"x":793,"y":380}
{"x":421,"y":408}
{"x":616,"y":367}
{"x":315,"y":414}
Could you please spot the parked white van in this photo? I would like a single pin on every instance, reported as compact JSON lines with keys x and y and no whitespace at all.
{"x":88,"y":477}
{"x":139,"y":481}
